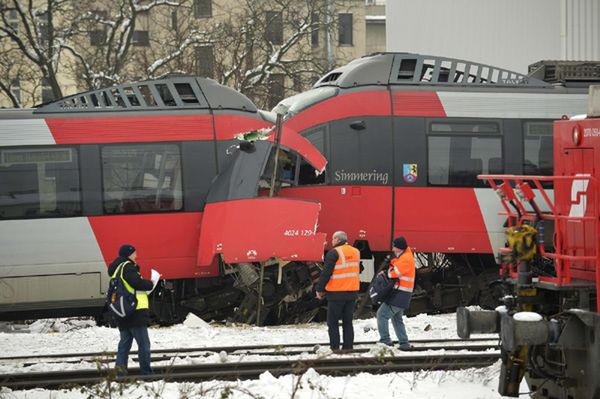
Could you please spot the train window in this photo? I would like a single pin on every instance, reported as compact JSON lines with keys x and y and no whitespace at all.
{"x":458,"y":152}
{"x":308,"y":175}
{"x":286,"y":169}
{"x":537,"y":148}
{"x":39,"y":182}
{"x":465,"y":127}
{"x":141,"y":178}
{"x":317,"y":137}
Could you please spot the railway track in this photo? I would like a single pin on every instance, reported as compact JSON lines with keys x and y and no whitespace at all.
{"x":474,"y":344}
{"x":252,"y":370}
{"x":480,"y":355}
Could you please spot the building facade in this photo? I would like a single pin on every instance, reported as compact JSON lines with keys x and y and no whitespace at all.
{"x":511,"y":34}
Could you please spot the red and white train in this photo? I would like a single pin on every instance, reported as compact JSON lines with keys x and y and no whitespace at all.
{"x":400,"y":137}
{"x":405,"y":137}
{"x":134,"y":164}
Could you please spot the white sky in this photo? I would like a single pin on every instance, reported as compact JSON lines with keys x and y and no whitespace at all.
{"x":71,"y":335}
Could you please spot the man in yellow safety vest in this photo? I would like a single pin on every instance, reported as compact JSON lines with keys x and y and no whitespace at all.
{"x":134,"y":326}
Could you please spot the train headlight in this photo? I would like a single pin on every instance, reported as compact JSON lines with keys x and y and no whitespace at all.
{"x":576,"y":135}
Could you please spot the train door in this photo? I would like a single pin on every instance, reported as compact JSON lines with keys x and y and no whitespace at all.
{"x":360,"y":174}
{"x":580,"y":237}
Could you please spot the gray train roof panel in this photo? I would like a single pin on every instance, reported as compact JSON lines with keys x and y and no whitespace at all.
{"x":424,"y":70}
{"x":173,"y":93}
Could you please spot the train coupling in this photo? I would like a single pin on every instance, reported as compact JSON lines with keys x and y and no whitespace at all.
{"x":476,"y":322}
{"x":518,"y":329}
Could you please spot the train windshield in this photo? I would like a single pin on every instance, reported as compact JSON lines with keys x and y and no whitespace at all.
{"x":292,"y":170}
{"x":304,"y":100}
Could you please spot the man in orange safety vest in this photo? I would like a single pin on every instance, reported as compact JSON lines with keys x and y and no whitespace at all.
{"x":402,"y":270}
{"x":340,"y":283}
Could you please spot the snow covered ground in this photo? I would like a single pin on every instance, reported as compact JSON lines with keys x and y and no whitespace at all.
{"x":75,"y":335}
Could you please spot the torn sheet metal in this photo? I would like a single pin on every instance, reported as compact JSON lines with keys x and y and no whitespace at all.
{"x":291,"y":139}
{"x":257,"y":229}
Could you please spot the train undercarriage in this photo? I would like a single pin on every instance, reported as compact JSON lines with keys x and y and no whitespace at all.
{"x":443,"y":283}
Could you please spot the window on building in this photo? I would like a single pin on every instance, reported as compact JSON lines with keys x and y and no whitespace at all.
{"x":13,"y":20}
{"x":459,"y":151}
{"x":140,"y":38}
{"x":276,"y":89}
{"x":205,"y":60}
{"x":345,"y":29}
{"x":43,"y":26}
{"x":141,"y":178}
{"x":174,"y":22}
{"x":97,"y":37}
{"x":202,"y":8}
{"x":249,"y":59}
{"x":538,"y":148}
{"x":314,"y":34}
{"x":274,"y":24}
{"x":47,"y":93}
{"x":39,"y":182}
{"x":15,"y":88}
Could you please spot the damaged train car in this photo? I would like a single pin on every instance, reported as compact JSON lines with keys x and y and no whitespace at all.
{"x":405,"y":136}
{"x":136,"y":164}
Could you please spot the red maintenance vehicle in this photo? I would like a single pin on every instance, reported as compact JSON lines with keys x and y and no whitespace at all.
{"x":549,"y":325}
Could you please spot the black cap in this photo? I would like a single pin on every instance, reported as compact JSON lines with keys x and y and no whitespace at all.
{"x":400,"y":243}
{"x":126,"y":250}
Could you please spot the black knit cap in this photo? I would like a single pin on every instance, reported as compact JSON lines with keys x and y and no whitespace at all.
{"x":126,"y":250}
{"x":400,"y":243}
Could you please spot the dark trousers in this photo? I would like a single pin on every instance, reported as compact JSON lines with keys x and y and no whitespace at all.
{"x":337,"y":310}
{"x":140,"y":334}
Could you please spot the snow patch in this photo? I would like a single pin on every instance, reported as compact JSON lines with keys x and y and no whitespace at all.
{"x":527,"y":316}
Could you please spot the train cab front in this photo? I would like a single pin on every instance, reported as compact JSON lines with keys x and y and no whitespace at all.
{"x":269,"y":245}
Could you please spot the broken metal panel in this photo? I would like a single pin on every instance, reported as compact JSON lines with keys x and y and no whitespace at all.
{"x":240,"y":179}
{"x":257,"y":229}
{"x":291,"y":139}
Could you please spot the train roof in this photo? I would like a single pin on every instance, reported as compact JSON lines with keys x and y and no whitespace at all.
{"x":426,"y":70}
{"x":172,"y":93}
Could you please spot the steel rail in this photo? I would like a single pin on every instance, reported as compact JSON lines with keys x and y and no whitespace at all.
{"x":231,"y":349}
{"x":252,"y":370}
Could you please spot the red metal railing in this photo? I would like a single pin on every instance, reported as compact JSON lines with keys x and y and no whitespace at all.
{"x":520,"y":197}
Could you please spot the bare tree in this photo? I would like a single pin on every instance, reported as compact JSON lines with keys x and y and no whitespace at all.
{"x":14,"y":72}
{"x":32,"y":28}
{"x":262,"y":48}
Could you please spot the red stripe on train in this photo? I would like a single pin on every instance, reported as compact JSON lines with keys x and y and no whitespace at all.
{"x":228,"y":126}
{"x":361,"y":103}
{"x":418,"y":103}
{"x":131,"y":129}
